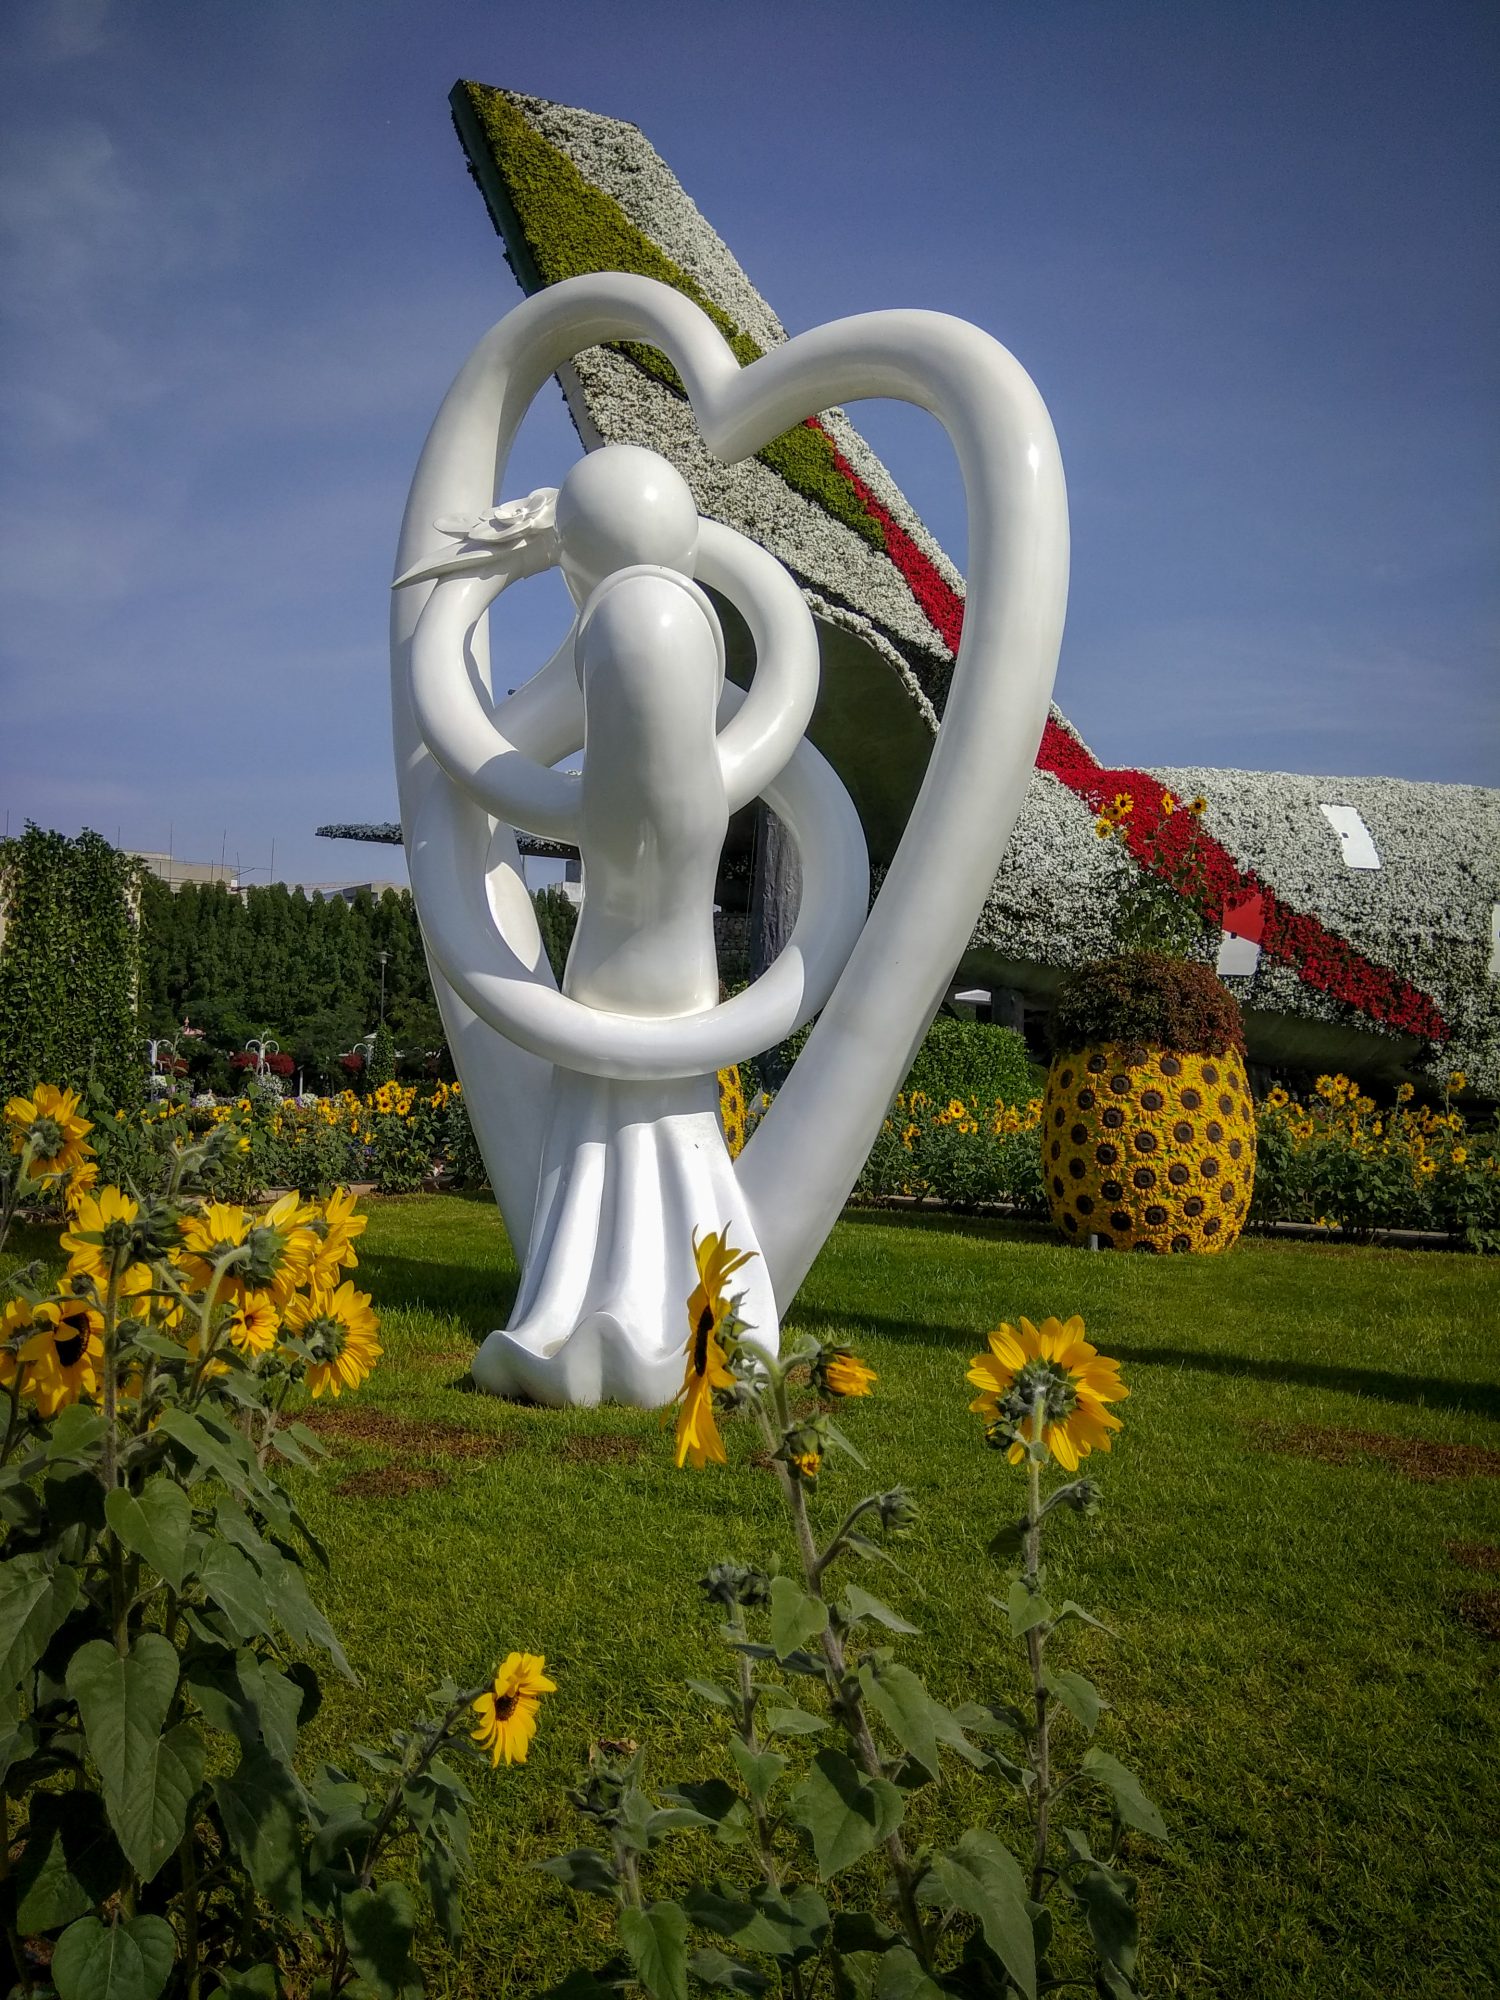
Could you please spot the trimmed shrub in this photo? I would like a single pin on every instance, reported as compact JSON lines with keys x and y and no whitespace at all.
{"x":1145,"y":997}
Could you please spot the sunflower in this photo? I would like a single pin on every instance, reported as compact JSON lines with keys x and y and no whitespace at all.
{"x":709,"y":1313}
{"x":48,"y":1121}
{"x":65,"y":1355}
{"x":842,"y":1373}
{"x":1124,"y":803}
{"x":101,"y":1226}
{"x":17,"y":1321}
{"x":507,"y":1711}
{"x":335,"y":1225}
{"x":251,"y":1324}
{"x":83,"y":1181}
{"x":339,"y":1329}
{"x":1058,"y":1366}
{"x":206,"y":1236}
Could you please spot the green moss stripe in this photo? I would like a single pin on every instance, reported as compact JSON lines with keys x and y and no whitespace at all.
{"x":570,"y":227}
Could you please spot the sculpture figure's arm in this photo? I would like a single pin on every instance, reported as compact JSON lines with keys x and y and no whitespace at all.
{"x":467,"y":927}
{"x":757,"y":739}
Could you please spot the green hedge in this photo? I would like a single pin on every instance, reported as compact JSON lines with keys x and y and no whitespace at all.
{"x":69,"y":966}
{"x":973,"y":1059}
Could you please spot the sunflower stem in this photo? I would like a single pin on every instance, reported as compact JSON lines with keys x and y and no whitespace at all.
{"x":750,"y":1737}
{"x":1035,"y":1647}
{"x":846,"y":1702}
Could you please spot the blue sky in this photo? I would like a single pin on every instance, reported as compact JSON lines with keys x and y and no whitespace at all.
{"x":1248,"y":253}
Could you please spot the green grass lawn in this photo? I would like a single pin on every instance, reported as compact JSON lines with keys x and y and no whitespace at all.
{"x":1301,"y":1677}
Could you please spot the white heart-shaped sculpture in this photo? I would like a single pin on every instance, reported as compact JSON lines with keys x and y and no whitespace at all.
{"x":538,"y":1066}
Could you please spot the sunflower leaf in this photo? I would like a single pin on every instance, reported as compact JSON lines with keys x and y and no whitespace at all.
{"x":796,"y":1617}
{"x":71,"y":1861}
{"x":656,"y":1939}
{"x":585,"y":1869}
{"x":727,"y":1974}
{"x":759,"y":1769}
{"x":1072,"y":1610}
{"x":121,"y":1961}
{"x":904,"y":1706}
{"x":858,"y":1604}
{"x":981,"y":1877}
{"x":154,"y":1524}
{"x":843,"y":1815}
{"x":794,"y":1722}
{"x":1131,"y":1803}
{"x":836,"y":1437}
{"x":259,"y":1807}
{"x":1078,"y":1696}
{"x":1010,"y":1541}
{"x":149,"y":1777}
{"x":34,"y":1601}
{"x":711,"y":1691}
{"x":1108,"y":1900}
{"x":1026,"y":1609}
{"x":379,"y":1925}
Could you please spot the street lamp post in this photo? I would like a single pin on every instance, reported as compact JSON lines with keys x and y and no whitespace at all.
{"x":384,"y":957}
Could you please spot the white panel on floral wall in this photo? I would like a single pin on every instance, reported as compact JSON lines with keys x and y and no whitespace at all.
{"x":1495,"y":942}
{"x":1354,"y":836}
{"x":1239,"y":957}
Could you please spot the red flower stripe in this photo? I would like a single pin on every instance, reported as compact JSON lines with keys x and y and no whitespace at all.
{"x":1157,"y":840}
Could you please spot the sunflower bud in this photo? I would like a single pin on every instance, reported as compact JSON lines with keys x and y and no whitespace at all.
{"x":731,"y":1583}
{"x":897,"y":1510}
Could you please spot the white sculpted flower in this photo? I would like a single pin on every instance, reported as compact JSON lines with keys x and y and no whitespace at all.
{"x":512,"y":521}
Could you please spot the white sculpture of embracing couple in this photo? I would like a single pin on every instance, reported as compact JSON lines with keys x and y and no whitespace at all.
{"x":596,"y":1106}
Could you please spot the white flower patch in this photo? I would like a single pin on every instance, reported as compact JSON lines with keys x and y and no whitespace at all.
{"x":627,"y":406}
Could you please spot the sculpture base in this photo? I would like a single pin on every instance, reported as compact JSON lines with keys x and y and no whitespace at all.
{"x":631,"y":1172}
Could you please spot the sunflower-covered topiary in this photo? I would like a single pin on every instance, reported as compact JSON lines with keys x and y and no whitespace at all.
{"x":1148,"y":1131}
{"x":732,"y":1110}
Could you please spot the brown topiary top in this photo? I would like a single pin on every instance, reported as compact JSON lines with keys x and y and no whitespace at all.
{"x":1142,"y":996}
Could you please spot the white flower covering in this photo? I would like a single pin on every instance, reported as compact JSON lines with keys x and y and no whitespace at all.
{"x":628,"y":406}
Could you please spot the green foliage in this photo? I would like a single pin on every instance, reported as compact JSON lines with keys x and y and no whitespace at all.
{"x":973,"y":1060}
{"x":1145,"y":996}
{"x":69,"y":965}
{"x":156,"y":1622}
{"x":382,"y":1065}
{"x":571,"y":227}
{"x":913,"y":1916}
{"x":557,"y":920}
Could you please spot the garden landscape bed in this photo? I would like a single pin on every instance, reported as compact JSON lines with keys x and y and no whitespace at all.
{"x":1305,"y":1673}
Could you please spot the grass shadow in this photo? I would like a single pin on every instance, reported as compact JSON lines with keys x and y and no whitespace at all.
{"x":479,"y":1299}
{"x":1481,"y":1399}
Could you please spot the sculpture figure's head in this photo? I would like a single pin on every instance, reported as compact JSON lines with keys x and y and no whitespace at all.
{"x":619,"y":506}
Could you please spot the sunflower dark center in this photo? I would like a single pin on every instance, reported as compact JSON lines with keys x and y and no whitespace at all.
{"x":505,"y":1706}
{"x":69,"y":1348}
{"x":701,"y":1332}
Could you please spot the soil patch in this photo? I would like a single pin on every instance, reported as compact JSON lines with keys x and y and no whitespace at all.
{"x":445,"y":1357}
{"x":1480,"y":1611}
{"x":391,"y":1482}
{"x":1413,"y":1458}
{"x":1476,"y":1555}
{"x":409,"y":1436}
{"x":603,"y":1448}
